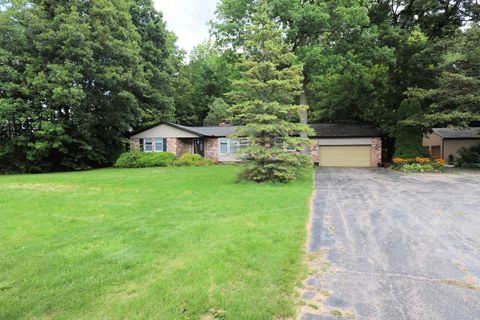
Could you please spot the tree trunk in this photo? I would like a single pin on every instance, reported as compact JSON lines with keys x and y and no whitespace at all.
{"x":304,"y":114}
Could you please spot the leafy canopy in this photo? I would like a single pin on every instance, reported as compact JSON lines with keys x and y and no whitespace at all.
{"x":75,"y":77}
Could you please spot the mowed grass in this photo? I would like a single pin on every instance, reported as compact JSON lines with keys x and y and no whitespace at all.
{"x":160,"y":243}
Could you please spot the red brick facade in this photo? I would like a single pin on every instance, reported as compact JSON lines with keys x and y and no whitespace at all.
{"x":376,"y":152}
{"x":211,"y":149}
{"x":179,"y":146}
{"x":315,"y":152}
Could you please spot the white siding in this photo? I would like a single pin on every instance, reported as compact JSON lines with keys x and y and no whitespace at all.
{"x":345,"y":141}
{"x":164,"y":131}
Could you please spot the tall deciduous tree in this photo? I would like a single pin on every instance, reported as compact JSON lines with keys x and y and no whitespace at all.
{"x":345,"y":69}
{"x":265,"y":95}
{"x":75,"y":76}
{"x":160,"y":64}
{"x":206,"y":77}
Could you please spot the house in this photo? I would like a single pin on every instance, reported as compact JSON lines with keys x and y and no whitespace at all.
{"x":336,"y":144}
{"x":444,"y":143}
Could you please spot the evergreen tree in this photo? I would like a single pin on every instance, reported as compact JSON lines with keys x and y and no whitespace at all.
{"x":264,"y":96}
{"x":456,"y":98}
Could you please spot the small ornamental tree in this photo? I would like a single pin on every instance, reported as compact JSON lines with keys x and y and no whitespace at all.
{"x":264,"y":97}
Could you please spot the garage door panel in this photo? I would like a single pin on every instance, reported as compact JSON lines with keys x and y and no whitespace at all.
{"x":344,"y":156}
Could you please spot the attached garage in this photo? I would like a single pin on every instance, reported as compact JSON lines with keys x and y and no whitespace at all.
{"x":347,"y":145}
{"x":344,"y":156}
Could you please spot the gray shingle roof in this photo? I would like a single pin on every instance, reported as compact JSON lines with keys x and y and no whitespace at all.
{"x":215,"y":131}
{"x":322,"y":130}
{"x":473,"y":132}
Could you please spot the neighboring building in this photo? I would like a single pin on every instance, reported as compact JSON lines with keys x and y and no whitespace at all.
{"x":444,"y":143}
{"x":338,"y":144}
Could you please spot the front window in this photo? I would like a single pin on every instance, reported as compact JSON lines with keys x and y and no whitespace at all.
{"x":223,"y":146}
{"x":158,"y":144}
{"x":233,"y":146}
{"x":229,"y":147}
{"x":148,"y":145}
{"x":153,"y":145}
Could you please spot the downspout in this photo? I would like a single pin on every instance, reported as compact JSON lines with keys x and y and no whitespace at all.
{"x":443,"y":150}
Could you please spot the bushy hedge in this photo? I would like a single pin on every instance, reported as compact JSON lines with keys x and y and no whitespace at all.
{"x":469,"y":157}
{"x":137,"y":159}
{"x":418,"y":164}
{"x":189,"y":160}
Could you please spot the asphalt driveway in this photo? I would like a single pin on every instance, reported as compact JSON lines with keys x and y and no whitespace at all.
{"x":387,"y":245}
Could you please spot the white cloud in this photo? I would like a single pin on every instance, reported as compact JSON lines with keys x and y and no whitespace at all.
{"x":188,"y":19}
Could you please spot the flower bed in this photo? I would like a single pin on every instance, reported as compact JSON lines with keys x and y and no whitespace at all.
{"x":418,"y":164}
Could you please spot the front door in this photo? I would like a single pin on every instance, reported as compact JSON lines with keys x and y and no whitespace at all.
{"x":198,"y":147}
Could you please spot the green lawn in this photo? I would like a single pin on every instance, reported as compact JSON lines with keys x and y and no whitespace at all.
{"x":162,"y":243}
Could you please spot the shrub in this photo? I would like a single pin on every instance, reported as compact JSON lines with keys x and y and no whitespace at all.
{"x":418,"y":167}
{"x":137,"y":159}
{"x":195,"y":160}
{"x":284,"y":167}
{"x":469,"y":157}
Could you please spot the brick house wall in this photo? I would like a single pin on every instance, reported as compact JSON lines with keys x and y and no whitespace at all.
{"x":314,"y":152}
{"x":179,"y":146}
{"x":376,"y":152}
{"x":211,"y":149}
{"x":172,"y":145}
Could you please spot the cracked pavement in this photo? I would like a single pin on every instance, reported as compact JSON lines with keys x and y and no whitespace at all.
{"x":389,"y":245}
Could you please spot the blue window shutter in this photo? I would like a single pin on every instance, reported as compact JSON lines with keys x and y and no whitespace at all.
{"x":141,"y":144}
{"x":164,"y":144}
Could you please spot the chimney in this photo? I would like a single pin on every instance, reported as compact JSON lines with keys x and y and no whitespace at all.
{"x":223,"y":124}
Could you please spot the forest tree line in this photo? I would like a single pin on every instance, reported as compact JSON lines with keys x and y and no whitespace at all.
{"x":77,"y":77}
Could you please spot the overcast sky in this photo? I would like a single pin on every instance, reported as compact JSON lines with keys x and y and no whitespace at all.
{"x":187,"y":19}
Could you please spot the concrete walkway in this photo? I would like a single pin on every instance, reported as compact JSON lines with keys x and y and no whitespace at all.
{"x":387,"y":245}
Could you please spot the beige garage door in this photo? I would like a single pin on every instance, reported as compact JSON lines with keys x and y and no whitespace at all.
{"x":344,"y":156}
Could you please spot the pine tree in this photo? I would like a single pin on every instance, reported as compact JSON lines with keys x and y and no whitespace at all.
{"x":270,"y":84}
